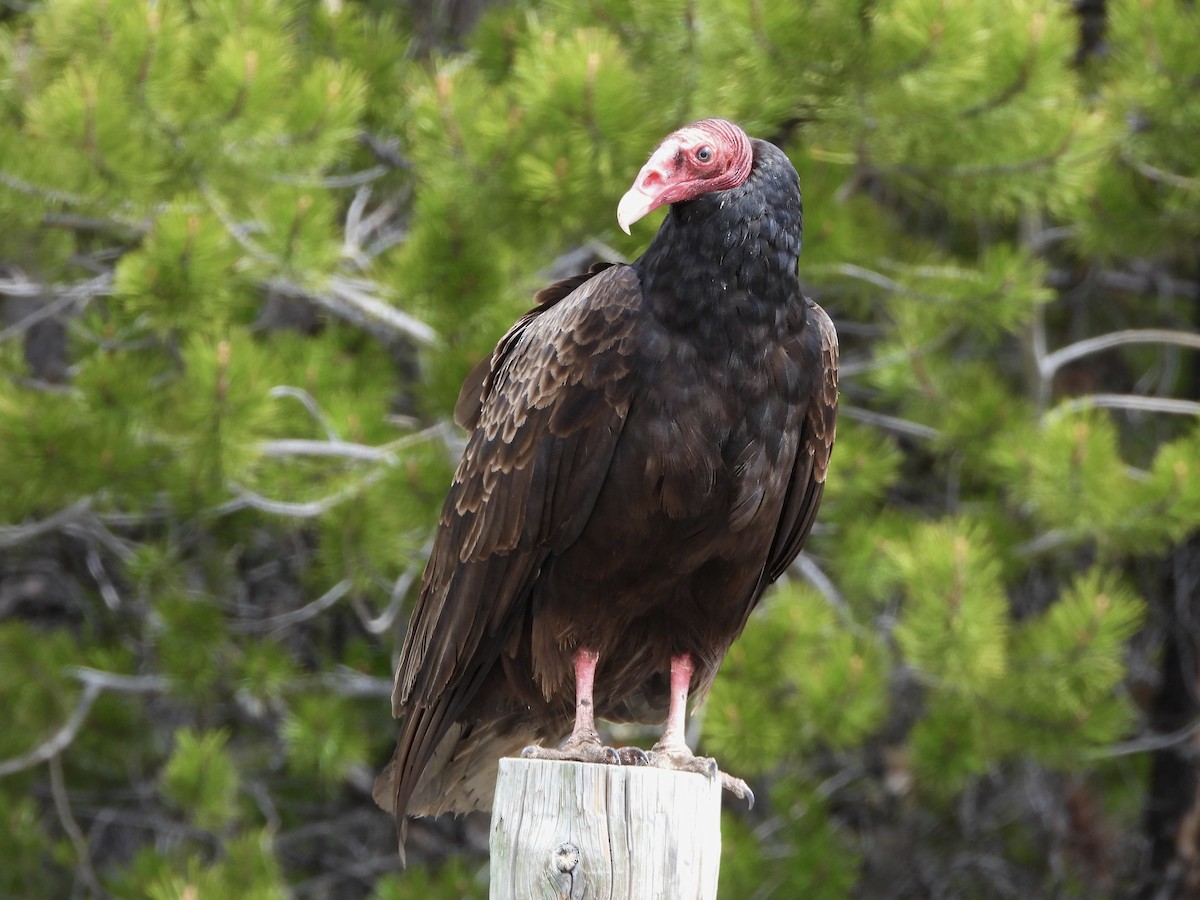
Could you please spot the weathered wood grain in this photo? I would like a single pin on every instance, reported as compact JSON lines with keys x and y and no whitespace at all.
{"x":579,"y":831}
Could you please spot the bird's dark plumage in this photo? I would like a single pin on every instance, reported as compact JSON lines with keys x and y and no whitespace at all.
{"x":648,"y":450}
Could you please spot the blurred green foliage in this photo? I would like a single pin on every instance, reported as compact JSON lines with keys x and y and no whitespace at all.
{"x":252,"y":247}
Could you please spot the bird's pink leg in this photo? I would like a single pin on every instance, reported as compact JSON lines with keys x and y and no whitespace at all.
{"x":585,"y":707}
{"x":681,"y":683}
{"x":583,"y":743}
{"x":672,"y":751}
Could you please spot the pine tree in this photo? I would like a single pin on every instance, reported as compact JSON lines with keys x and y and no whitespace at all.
{"x":251,"y":249}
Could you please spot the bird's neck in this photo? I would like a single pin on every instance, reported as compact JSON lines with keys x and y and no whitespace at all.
{"x":714,"y":266}
{"x":727,"y":259}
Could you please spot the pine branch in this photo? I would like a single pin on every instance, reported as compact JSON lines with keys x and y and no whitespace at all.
{"x":1007,"y":93}
{"x":347,"y":298}
{"x":1014,"y":168}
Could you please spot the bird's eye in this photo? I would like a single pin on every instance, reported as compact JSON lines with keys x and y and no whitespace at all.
{"x":704,"y":154}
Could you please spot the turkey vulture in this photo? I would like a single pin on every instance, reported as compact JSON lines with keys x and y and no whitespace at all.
{"x":647,"y":451}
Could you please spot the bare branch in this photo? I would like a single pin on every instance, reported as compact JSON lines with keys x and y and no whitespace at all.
{"x":121,"y":684}
{"x":310,"y":403}
{"x":107,"y":590}
{"x":367,"y":237}
{"x":1147,"y":743}
{"x":1052,"y":362}
{"x":308,"y":611}
{"x":1044,"y":237}
{"x":1127,"y":401}
{"x":53,"y":195}
{"x":21,"y":286}
{"x":350,"y":300}
{"x":813,"y":574}
{"x":1161,"y":175}
{"x":860,"y":273}
{"x":890,"y":423}
{"x":335,"y":449}
{"x":13,"y":535}
{"x":386,"y":619}
{"x":346,"y":450}
{"x":90,"y":528}
{"x":59,"y":741}
{"x":247,"y":498}
{"x":62,"y":805}
{"x":1155,"y":282}
{"x":348,"y":683}
{"x":347,"y":298}
{"x":332,"y":182}
{"x":45,"y":311}
{"x":1045,"y":543}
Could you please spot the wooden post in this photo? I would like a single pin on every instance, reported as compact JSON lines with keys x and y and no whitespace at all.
{"x":577,"y":831}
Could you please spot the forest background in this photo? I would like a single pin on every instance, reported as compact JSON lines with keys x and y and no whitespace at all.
{"x":250,"y":248}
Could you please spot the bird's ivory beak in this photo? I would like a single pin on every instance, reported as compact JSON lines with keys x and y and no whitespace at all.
{"x":635,"y":204}
{"x":648,"y":193}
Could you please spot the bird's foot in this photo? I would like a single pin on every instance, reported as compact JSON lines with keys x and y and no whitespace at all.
{"x":588,"y":748}
{"x":576,"y":748}
{"x":680,"y":758}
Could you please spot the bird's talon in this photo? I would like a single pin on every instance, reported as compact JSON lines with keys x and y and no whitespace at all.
{"x":633,"y":756}
{"x":738,"y":788}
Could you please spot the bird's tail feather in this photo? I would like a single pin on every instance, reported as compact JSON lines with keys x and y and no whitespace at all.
{"x":460,"y":777}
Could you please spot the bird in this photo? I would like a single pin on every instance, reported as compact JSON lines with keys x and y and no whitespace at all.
{"x":647,"y":450}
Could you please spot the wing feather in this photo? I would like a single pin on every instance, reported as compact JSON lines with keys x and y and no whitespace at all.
{"x":548,"y":419}
{"x":470,"y":397}
{"x":812,"y":457}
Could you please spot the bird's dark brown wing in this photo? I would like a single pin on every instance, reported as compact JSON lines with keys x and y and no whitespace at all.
{"x":816,"y":443}
{"x":470,"y":397}
{"x":551,"y":410}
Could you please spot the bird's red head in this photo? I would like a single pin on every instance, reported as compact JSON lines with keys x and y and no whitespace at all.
{"x":710,"y":155}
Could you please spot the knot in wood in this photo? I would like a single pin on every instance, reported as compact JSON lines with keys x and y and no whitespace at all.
{"x":566,"y":857}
